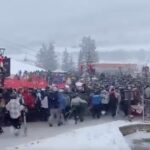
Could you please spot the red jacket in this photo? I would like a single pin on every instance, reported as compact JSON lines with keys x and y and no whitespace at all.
{"x":28,"y":100}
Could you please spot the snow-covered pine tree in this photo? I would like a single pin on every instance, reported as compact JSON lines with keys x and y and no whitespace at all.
{"x":88,"y":50}
{"x":71,"y":63}
{"x":65,"y":60}
{"x":46,"y":57}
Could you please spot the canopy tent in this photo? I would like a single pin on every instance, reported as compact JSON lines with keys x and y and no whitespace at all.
{"x":59,"y":71}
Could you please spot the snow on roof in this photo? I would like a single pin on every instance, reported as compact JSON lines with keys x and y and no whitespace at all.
{"x":16,"y":66}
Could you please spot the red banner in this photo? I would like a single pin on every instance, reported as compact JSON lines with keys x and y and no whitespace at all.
{"x":15,"y":83}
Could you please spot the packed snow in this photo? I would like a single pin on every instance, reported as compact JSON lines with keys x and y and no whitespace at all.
{"x":16,"y":66}
{"x":41,"y":130}
{"x":100,"y":136}
{"x":139,"y":140}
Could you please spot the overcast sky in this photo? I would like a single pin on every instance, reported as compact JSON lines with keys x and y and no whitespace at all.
{"x":109,"y":22}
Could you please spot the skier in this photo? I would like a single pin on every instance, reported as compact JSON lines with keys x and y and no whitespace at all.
{"x":14,"y":107}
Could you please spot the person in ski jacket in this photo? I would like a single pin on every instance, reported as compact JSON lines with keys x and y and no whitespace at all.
{"x":62,"y":105}
{"x":15,"y":108}
{"x":96,"y":104}
{"x":61,"y":100}
{"x":29,"y":102}
{"x":28,"y":99}
{"x":76,"y":107}
{"x":113,"y":102}
{"x":2,"y":109}
{"x":147,"y":97}
{"x":44,"y":107}
{"x":147,"y":92}
{"x":105,"y":100}
{"x":53,"y":104}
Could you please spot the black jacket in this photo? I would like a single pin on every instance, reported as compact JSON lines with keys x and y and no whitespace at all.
{"x":53,"y":100}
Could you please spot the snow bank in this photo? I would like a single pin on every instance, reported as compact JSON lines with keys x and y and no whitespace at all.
{"x":100,"y":137}
{"x":19,"y":65}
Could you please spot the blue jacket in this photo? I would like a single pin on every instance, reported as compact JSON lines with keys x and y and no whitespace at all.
{"x":62,"y":101}
{"x":95,"y":100}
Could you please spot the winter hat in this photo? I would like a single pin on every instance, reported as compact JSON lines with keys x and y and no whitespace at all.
{"x":61,"y":90}
{"x":55,"y":89}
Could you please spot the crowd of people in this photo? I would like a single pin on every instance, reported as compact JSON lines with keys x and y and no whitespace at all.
{"x":49,"y":77}
{"x":103,"y":94}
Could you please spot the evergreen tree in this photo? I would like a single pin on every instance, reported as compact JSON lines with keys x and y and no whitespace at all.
{"x":80,"y":58}
{"x":46,"y":57}
{"x":88,"y":50}
{"x":65,"y":60}
{"x":71,"y":64}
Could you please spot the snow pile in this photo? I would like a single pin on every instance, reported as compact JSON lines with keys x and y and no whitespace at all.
{"x":16,"y":66}
{"x":100,"y":137}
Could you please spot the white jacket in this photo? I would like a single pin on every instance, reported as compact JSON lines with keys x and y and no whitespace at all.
{"x":14,"y":108}
{"x":105,"y":97}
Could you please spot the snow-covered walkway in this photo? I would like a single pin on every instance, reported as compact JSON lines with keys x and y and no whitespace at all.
{"x":40,"y":130}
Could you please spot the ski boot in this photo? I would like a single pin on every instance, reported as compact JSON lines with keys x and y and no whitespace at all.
{"x":1,"y":131}
{"x":60,"y":123}
{"x":50,"y":125}
{"x":130,"y":117}
{"x":16,"y":132}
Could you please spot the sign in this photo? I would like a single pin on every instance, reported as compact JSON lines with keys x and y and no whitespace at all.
{"x":6,"y":65}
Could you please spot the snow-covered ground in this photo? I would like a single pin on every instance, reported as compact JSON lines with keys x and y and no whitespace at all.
{"x":16,"y":66}
{"x":91,"y":134}
{"x":41,"y":130}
